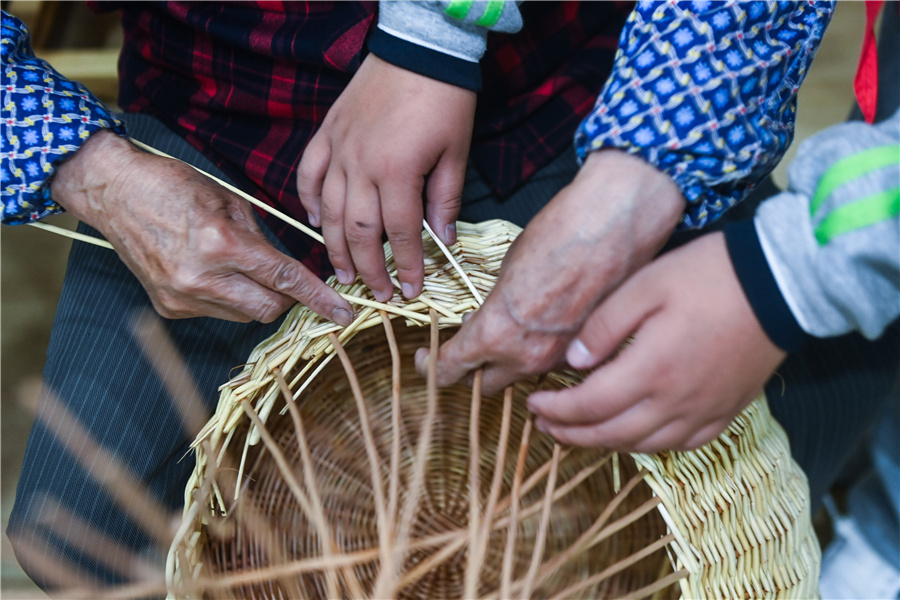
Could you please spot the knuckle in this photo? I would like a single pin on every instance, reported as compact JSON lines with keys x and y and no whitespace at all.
{"x":534,"y":359}
{"x":373,"y":275}
{"x":491,"y":335}
{"x":309,"y":189}
{"x":306,"y":175}
{"x":270,"y":309}
{"x":339,"y":259}
{"x":164,"y":311}
{"x":331,"y":213}
{"x":384,"y":163}
{"x":403,"y":236}
{"x":665,"y":374}
{"x":184,"y":280}
{"x":307,"y":291}
{"x":361,"y":232}
{"x":413,"y":272}
{"x":287,"y":278}
{"x":168,"y":306}
{"x":213,"y":240}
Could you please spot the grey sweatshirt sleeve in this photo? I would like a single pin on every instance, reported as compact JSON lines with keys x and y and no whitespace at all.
{"x":832,"y":242}
{"x":441,"y":39}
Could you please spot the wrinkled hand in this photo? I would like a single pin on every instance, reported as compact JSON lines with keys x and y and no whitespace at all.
{"x":391,"y":135}
{"x":699,"y":356}
{"x":612,"y":219}
{"x":194,"y":246}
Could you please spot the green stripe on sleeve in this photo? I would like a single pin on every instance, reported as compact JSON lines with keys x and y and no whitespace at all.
{"x":458,"y":9}
{"x":862,"y":213}
{"x":852,"y":167}
{"x":491,"y":13}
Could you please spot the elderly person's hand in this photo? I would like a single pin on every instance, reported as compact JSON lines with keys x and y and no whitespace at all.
{"x":610,"y":221}
{"x":698,"y":357}
{"x":194,"y":246}
{"x":391,"y":136}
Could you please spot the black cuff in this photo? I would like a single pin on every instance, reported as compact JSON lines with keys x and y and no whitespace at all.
{"x":760,"y":287}
{"x":425,"y":61}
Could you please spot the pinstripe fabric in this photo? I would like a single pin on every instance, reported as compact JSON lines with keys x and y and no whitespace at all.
{"x":99,"y":372}
{"x":834,"y":391}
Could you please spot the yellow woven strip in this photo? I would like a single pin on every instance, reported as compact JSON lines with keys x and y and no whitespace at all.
{"x":73,"y":235}
{"x":386,"y":307}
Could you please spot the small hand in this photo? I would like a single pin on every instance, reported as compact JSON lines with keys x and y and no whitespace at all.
{"x":391,"y":135}
{"x":613,"y":218}
{"x":194,"y":246}
{"x":699,"y":356}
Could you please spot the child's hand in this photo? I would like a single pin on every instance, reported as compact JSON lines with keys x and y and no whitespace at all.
{"x":699,"y":356}
{"x":392,"y":135}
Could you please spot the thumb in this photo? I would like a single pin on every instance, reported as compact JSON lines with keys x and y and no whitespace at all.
{"x":607,"y":328}
{"x":443,"y":194}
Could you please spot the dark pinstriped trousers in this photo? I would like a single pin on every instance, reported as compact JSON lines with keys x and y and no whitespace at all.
{"x":99,"y":373}
{"x":833,"y":388}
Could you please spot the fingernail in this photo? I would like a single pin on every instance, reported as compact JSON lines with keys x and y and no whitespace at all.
{"x":541,"y":425}
{"x":578,"y":356}
{"x":343,"y":276}
{"x":408,"y":291}
{"x":382,"y":296}
{"x":312,"y":219}
{"x":467,"y":315}
{"x":342,"y":316}
{"x":450,"y":234}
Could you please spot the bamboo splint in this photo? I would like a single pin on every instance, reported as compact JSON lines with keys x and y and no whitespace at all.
{"x":331,"y":469}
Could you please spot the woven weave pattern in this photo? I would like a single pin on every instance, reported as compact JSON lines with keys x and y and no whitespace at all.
{"x":331,"y":468}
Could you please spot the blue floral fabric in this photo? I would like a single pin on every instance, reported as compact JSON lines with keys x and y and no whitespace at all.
{"x":706,"y":91}
{"x":45,"y":118}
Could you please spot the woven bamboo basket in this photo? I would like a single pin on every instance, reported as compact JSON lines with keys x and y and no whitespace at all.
{"x":331,"y":469}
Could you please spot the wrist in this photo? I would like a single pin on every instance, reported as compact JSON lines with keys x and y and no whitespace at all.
{"x":624,"y":175}
{"x":92,"y":173}
{"x":761,"y":288}
{"x":426,"y":61}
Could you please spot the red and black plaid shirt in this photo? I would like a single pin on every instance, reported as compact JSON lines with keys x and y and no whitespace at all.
{"x":248,"y":83}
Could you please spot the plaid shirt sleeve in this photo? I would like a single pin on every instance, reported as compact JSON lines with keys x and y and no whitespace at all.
{"x":706,"y":91}
{"x":46,"y":118}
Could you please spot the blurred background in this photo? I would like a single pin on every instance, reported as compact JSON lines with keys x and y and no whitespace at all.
{"x":84,"y":46}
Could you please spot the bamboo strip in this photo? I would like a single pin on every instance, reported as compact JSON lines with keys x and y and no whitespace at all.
{"x":731,"y":530}
{"x":371,"y":451}
{"x":72,"y":234}
{"x":328,"y":546}
{"x":506,"y":586}
{"x":538,"y":553}
{"x":473,"y":565}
